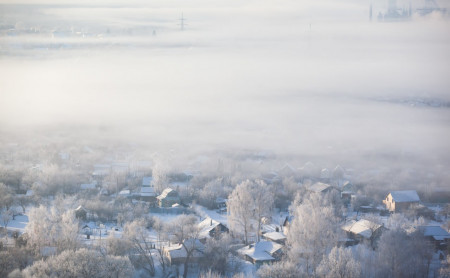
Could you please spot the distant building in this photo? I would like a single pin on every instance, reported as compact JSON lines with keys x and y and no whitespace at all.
{"x":81,"y":213}
{"x":401,"y":200}
{"x":320,"y":187}
{"x":168,"y":198}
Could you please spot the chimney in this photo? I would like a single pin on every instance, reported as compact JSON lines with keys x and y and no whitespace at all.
{"x":211,"y":222}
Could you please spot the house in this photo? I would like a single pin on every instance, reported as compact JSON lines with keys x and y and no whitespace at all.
{"x":277,"y":237}
{"x":168,"y":198}
{"x":210,"y":228}
{"x":325,"y":174}
{"x":363,"y":230}
{"x":320,"y":187}
{"x":436,"y":235}
{"x":261,"y":252}
{"x":347,"y":191}
{"x":287,"y":171}
{"x":147,"y":191}
{"x":176,"y":254}
{"x":221,"y":204}
{"x":401,"y":200}
{"x":81,"y":213}
{"x":286,"y":224}
{"x":147,"y":181}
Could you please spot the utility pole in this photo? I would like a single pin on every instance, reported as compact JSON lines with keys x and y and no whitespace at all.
{"x":182,"y":24}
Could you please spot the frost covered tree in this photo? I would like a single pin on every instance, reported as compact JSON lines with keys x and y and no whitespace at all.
{"x":160,"y":176}
{"x":6,"y":217}
{"x":138,"y":234}
{"x":283,"y":269}
{"x":217,"y":253}
{"x":82,"y":263}
{"x":339,"y":263}
{"x":314,"y":231}
{"x":6,"y":197}
{"x":403,"y":255}
{"x":46,"y":227}
{"x":248,"y":204}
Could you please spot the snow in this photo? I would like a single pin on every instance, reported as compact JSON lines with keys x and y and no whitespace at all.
{"x":319,"y":187}
{"x":274,"y":236}
{"x":18,"y":224}
{"x":206,"y":226}
{"x":405,"y":196}
{"x":362,"y":227}
{"x":261,"y":251}
{"x":204,"y":212}
{"x":437,"y":232}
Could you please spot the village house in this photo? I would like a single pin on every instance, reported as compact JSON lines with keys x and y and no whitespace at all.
{"x":277,"y":237}
{"x":439,"y":237}
{"x":168,"y":198}
{"x":261,"y":252}
{"x":81,"y":213}
{"x":147,"y":191}
{"x":363,"y":230}
{"x":176,"y":254}
{"x":210,"y":228}
{"x":320,"y":187}
{"x":400,"y":200}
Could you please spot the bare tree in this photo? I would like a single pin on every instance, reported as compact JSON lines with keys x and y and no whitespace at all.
{"x":160,"y":228}
{"x":7,"y":216}
{"x":138,"y":234}
{"x":184,"y":230}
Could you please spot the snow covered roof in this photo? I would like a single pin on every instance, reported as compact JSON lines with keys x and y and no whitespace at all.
{"x":319,"y":187}
{"x":147,"y":181}
{"x":405,"y":196}
{"x":206,"y":226}
{"x":79,"y":208}
{"x":178,"y":251}
{"x":261,"y":251}
{"x":274,"y":236}
{"x":124,"y":192}
{"x":166,"y":193}
{"x":362,"y":227}
{"x":437,"y":232}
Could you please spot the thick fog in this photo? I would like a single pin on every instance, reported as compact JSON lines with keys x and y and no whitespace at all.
{"x":294,"y":77}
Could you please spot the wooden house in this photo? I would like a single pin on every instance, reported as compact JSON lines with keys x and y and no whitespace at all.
{"x":168,"y":198}
{"x":401,"y":200}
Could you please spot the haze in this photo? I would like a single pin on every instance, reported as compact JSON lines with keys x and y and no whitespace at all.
{"x":294,"y":77}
